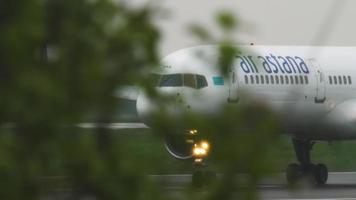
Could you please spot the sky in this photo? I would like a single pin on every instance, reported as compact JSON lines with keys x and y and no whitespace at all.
{"x":263,"y":22}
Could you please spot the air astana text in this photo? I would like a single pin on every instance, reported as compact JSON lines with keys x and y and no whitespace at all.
{"x":273,"y":64}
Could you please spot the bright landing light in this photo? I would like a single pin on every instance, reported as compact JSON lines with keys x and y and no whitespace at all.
{"x":205,"y":145}
{"x":201,"y":149}
{"x":193,"y":132}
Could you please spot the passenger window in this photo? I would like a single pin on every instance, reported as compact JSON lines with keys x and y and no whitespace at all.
{"x":262,"y":79}
{"x":252,"y":80}
{"x":335,"y":80}
{"x":201,"y":82}
{"x":301,"y":79}
{"x":287,"y":79}
{"x":340,"y":81}
{"x":246,"y":79}
{"x":330,"y":80}
{"x":282,"y":79}
{"x":349,"y":78}
{"x":171,"y":80}
{"x":267,"y":79}
{"x":344,"y":78}
{"x":277,"y":80}
{"x":189,"y":80}
{"x":296,"y":80}
{"x":272,"y":79}
{"x":257,"y":80}
{"x":306,"y":80}
{"x":291,"y":80}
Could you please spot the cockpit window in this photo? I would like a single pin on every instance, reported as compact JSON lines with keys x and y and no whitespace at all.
{"x":171,"y":80}
{"x":189,"y":80}
{"x":179,"y":80}
{"x":201,"y":82}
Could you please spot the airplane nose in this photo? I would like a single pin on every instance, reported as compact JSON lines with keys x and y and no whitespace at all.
{"x":147,"y":106}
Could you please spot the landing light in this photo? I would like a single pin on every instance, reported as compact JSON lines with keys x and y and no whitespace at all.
{"x":193,"y":131}
{"x":205,"y":145}
{"x":201,"y":149}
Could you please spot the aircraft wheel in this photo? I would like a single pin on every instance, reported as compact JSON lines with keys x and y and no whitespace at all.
{"x":293,"y":173}
{"x":202,"y":178}
{"x":320,"y":174}
{"x":198,"y":179}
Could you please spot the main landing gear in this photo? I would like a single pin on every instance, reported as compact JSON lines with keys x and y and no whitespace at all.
{"x":315,"y":173}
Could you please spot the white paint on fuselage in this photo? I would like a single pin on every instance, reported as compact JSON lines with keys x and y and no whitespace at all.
{"x":200,"y":61}
{"x":296,"y":103}
{"x":302,"y":115}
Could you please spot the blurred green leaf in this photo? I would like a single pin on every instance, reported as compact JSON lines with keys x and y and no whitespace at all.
{"x":200,"y":32}
{"x":61,"y":62}
{"x":226,"y":21}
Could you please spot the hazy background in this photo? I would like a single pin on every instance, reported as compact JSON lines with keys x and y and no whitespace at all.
{"x":264,"y":22}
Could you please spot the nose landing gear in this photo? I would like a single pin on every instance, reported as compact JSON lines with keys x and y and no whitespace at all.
{"x":201,"y":176}
{"x":315,"y":174}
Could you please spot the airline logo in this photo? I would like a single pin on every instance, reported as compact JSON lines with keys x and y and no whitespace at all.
{"x":273,"y":64}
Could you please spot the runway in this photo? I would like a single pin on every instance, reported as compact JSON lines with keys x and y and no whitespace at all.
{"x":340,"y":186}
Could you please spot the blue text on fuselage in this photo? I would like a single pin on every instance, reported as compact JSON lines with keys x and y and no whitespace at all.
{"x":273,"y":64}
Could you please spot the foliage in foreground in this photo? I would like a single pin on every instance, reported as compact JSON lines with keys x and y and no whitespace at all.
{"x":60,"y":63}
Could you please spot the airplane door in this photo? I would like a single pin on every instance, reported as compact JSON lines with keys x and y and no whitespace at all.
{"x":320,"y":95}
{"x":233,"y":86}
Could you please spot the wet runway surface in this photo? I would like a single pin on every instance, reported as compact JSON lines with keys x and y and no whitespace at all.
{"x":341,"y":186}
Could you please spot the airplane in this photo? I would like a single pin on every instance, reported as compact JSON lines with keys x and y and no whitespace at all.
{"x":313,"y":89}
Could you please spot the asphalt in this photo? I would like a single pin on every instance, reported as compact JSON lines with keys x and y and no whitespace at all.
{"x":340,"y":186}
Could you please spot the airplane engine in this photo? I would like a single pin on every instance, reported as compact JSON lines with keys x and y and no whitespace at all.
{"x":186,"y":146}
{"x":179,"y":146}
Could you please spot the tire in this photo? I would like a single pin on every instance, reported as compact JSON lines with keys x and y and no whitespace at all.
{"x":198,"y":179}
{"x":320,"y":174}
{"x":203,"y":178}
{"x":293,"y":173}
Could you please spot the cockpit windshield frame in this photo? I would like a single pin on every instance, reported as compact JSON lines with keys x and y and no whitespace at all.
{"x":190,"y":80}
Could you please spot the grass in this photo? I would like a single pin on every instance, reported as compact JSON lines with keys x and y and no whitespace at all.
{"x":142,"y":144}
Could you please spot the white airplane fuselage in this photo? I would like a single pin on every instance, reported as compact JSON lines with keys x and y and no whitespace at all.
{"x":312,"y":89}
